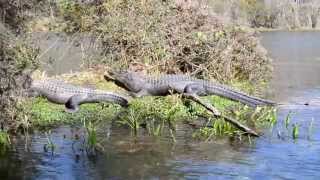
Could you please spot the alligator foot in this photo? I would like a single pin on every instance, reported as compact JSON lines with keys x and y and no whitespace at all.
{"x":216,"y":113}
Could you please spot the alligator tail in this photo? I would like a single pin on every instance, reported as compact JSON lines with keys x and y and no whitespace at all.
{"x":237,"y":96}
{"x":72,"y":105}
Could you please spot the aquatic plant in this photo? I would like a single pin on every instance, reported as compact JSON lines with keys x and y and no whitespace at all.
{"x":4,"y":139}
{"x":91,"y":132}
{"x":49,"y":146}
{"x":288,"y":119}
{"x":132,"y":119}
{"x":295,"y":131}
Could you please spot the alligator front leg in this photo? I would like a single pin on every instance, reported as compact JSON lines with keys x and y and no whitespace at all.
{"x":139,"y":94}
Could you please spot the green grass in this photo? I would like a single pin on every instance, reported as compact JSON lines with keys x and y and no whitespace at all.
{"x":44,"y":114}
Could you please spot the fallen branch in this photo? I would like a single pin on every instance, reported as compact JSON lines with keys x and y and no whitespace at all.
{"x":216,"y":113}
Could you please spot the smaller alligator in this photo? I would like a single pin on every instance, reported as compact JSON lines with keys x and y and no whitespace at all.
{"x":72,"y":96}
{"x":139,"y":85}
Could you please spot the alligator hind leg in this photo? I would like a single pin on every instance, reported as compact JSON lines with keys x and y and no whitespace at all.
{"x":72,"y":105}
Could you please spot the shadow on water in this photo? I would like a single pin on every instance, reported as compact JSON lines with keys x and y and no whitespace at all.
{"x":276,"y":155}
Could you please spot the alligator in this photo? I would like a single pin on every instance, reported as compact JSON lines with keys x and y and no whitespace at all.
{"x":72,"y":96}
{"x":139,"y":85}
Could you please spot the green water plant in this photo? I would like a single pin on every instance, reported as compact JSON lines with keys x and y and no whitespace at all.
{"x":295,"y":131}
{"x":4,"y":141}
{"x":49,"y":146}
{"x":288,"y":119}
{"x":91,"y":137}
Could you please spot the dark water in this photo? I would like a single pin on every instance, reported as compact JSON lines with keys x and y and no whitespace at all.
{"x":273,"y":156}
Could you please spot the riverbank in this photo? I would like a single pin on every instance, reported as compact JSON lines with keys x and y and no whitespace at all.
{"x":157,"y":115}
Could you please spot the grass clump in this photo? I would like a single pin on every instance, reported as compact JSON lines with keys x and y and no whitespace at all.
{"x":154,"y":113}
{"x":255,"y":118}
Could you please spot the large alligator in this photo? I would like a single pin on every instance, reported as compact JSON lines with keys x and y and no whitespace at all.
{"x":139,"y":85}
{"x":72,"y":96}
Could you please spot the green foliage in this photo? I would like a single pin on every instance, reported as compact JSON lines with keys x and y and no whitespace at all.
{"x":155,"y":113}
{"x":295,"y":131}
{"x":91,"y":134}
{"x":259,"y":117}
{"x":4,"y":141}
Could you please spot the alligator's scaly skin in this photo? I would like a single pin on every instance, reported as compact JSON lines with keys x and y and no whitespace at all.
{"x":72,"y":96}
{"x":140,"y":85}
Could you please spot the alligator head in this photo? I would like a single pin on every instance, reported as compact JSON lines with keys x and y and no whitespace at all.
{"x":130,"y":81}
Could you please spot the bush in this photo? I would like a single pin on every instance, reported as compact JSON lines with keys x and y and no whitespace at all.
{"x":16,"y":62}
{"x":161,"y":36}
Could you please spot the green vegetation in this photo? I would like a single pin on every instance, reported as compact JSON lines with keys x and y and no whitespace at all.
{"x":258,"y":118}
{"x":4,"y":141}
{"x":91,"y":140}
{"x":295,"y":131}
{"x":44,"y":114}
